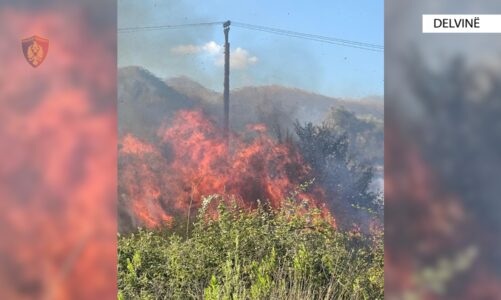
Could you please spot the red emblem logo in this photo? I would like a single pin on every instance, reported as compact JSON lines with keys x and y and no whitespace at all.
{"x":35,"y":50}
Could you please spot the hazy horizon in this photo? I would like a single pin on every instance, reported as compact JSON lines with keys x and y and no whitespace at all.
{"x":369,"y":98}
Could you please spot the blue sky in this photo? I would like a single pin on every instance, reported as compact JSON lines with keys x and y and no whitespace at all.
{"x":263,"y":58}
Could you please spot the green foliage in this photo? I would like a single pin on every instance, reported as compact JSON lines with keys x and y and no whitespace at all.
{"x":259,"y":254}
{"x":326,"y":150}
{"x":366,"y":134}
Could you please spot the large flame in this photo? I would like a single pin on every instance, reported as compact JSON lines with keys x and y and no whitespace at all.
{"x":58,"y":144}
{"x":193,"y":159}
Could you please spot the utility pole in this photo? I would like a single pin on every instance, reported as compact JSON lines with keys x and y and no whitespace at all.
{"x":226,"y":94}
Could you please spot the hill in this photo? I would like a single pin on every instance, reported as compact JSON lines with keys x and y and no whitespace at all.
{"x":145,"y":102}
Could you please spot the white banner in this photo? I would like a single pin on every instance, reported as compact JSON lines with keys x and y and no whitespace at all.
{"x":461,"y":23}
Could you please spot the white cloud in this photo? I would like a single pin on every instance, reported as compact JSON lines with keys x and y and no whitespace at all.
{"x":213,"y":48}
{"x":186,"y":49}
{"x":239,"y":58}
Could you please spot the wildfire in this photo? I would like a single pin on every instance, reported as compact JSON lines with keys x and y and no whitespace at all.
{"x":58,"y":140}
{"x":193,"y":160}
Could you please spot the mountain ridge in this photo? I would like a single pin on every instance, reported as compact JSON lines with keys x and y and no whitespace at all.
{"x":147,"y":102}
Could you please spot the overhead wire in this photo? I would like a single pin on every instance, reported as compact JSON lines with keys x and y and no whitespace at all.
{"x":271,"y":30}
{"x":313,"y":37}
{"x":163,"y":27}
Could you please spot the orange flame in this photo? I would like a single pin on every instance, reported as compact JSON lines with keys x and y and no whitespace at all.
{"x":58,"y":140}
{"x":193,"y":160}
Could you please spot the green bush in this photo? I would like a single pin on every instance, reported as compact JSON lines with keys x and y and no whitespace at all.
{"x":251,"y":254}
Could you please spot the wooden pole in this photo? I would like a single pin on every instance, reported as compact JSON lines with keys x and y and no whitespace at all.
{"x":226,"y":94}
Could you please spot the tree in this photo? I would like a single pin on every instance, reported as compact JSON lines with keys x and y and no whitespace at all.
{"x":345,"y":179}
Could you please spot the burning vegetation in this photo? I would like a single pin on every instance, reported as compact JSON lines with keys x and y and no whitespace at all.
{"x":279,"y":210}
{"x":192,"y":159}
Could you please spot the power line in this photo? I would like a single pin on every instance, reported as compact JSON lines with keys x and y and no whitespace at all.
{"x":283,"y":32}
{"x":313,"y":37}
{"x":163,"y":27}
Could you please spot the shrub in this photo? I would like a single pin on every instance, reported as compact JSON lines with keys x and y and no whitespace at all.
{"x":251,"y":254}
